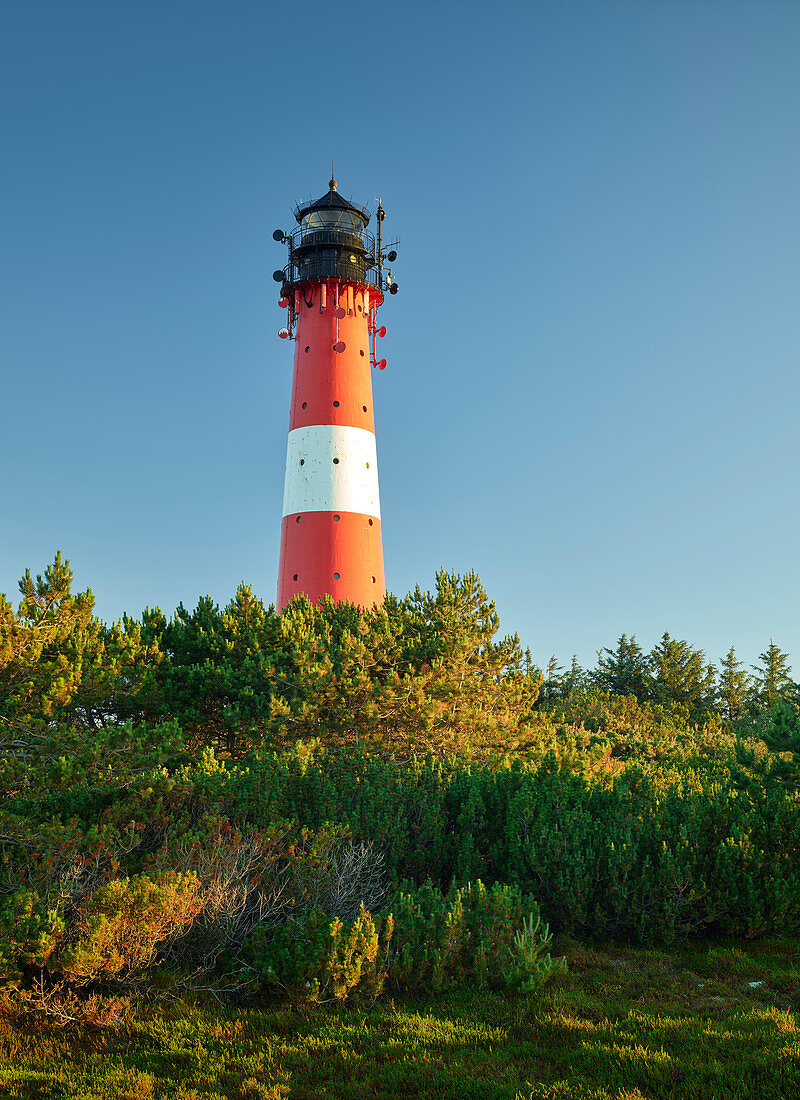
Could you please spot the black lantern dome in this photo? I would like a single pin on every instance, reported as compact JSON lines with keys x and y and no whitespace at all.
{"x":332,"y":211}
{"x":331,"y":242}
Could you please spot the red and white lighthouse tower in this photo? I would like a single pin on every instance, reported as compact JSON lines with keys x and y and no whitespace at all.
{"x":332,"y":287}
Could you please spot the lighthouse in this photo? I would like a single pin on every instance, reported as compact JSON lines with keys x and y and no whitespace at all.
{"x":332,"y":287}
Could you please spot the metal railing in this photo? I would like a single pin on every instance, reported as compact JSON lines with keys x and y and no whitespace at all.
{"x":332,"y":268}
{"x":320,"y":238}
{"x":331,"y":254}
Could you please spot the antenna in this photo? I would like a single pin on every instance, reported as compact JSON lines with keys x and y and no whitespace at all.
{"x":379,"y":216}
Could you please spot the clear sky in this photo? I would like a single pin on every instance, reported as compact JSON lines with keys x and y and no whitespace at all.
{"x":592,"y":392}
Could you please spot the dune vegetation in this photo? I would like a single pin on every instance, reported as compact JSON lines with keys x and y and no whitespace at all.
{"x":340,"y":852}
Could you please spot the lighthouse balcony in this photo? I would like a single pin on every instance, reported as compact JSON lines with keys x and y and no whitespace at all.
{"x":332,"y":263}
{"x":331,"y":269}
{"x":305,"y":239}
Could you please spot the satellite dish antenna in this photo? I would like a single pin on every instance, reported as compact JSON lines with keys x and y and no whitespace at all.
{"x":277,"y":276}
{"x":391,"y":256}
{"x":278,"y":235}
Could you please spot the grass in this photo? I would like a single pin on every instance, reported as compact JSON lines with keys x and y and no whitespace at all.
{"x":713,"y":1021}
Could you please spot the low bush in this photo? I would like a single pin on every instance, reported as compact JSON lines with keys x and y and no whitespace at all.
{"x":115,"y":932}
{"x":54,"y":944}
{"x":319,"y":959}
{"x":488,"y":938}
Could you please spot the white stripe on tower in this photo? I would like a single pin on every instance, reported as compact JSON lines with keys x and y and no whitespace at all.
{"x":331,"y":468}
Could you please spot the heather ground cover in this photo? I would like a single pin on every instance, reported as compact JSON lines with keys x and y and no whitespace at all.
{"x":716,"y":1021}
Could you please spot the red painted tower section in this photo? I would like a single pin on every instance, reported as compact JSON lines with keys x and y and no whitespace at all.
{"x":331,"y":528}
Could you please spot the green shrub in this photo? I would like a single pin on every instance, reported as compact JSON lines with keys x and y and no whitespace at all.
{"x":117,"y":930}
{"x":112,"y":932}
{"x":320,"y":959}
{"x":485,"y":937}
{"x":31,"y":927}
{"x":529,"y":962}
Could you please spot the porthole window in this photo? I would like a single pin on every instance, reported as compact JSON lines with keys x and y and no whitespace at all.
{"x":336,"y":519}
{"x":362,"y":353}
{"x":364,"y":408}
{"x":297,"y":577}
{"x":366,"y":464}
{"x":373,"y":580}
{"x":302,"y":462}
{"x":336,"y":404}
{"x":305,"y":404}
{"x":336,"y":461}
{"x":308,"y":348}
{"x":299,"y":518}
{"x":370,"y":522}
{"x":336,"y":576}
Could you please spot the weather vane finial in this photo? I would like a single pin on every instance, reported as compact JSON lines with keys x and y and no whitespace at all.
{"x":332,"y":183}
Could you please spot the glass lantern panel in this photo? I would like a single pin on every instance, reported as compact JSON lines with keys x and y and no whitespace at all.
{"x":346,"y":220}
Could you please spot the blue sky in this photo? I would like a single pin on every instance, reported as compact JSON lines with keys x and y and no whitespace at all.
{"x":593,"y":388}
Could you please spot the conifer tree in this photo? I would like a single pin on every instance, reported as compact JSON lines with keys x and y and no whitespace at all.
{"x":624,"y":670}
{"x":682,"y":681}
{"x":773,"y":679}
{"x":58,"y":662}
{"x":553,"y":683}
{"x":779,"y":729}
{"x":733,"y":687}
{"x":219,"y":680}
{"x":469,"y":692}
{"x":575,"y":679}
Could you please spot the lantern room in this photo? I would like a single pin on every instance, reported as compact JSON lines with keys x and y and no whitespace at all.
{"x":331,"y":243}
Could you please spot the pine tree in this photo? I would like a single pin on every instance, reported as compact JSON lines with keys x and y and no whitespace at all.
{"x":773,"y":679}
{"x":461,"y":689}
{"x":733,"y":687}
{"x":779,"y":729}
{"x":59,"y":663}
{"x":682,"y":680}
{"x":553,"y":685}
{"x":575,"y":679}
{"x":624,"y":670}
